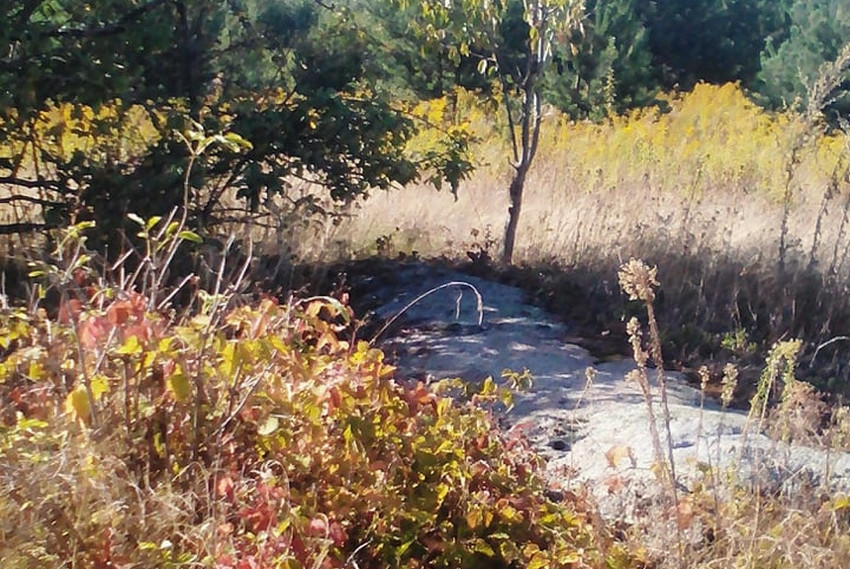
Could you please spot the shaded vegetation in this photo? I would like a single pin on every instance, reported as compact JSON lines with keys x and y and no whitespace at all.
{"x":252,"y":434}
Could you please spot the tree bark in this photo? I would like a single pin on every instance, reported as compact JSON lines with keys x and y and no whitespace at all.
{"x":515,"y":192}
{"x":527,"y":147}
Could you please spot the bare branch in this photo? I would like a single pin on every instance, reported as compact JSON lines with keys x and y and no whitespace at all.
{"x":24,"y":227}
{"x":28,"y":199}
{"x":23,"y":183}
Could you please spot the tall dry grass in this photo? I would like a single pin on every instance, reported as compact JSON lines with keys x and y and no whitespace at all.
{"x":756,"y":512}
{"x":746,"y":213}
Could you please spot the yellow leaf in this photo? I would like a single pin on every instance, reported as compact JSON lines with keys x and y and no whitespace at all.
{"x":489,"y":387}
{"x":158,"y":444}
{"x":473,"y":518}
{"x":618,"y":453}
{"x":131,"y":346}
{"x":164,"y":344}
{"x":538,"y":561}
{"x":840,"y":503}
{"x":230,"y":360}
{"x":442,"y":492}
{"x":36,"y":371}
{"x":99,"y":386}
{"x":77,"y":403}
{"x":180,"y":386}
{"x":269,"y":426}
{"x":510,"y":514}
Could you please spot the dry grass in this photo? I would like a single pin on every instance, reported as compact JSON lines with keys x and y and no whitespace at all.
{"x":712,"y":217}
{"x":745,"y":215}
{"x":744,"y":212}
{"x":754,"y":513}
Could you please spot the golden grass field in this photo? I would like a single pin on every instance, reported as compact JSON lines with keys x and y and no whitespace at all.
{"x":709,"y":175}
{"x":745,"y":213}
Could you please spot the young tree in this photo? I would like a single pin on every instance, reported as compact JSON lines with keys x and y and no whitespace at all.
{"x":513,"y":42}
{"x":612,"y":72}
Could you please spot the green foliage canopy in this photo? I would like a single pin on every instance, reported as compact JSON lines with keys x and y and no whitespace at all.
{"x":300,"y":81}
{"x":818,"y":31}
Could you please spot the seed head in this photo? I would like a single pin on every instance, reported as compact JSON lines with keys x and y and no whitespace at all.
{"x":704,"y":377}
{"x":638,"y":280}
{"x":728,"y":384}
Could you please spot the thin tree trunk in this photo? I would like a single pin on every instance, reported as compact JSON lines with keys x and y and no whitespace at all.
{"x":515,"y":191}
{"x":529,"y":138}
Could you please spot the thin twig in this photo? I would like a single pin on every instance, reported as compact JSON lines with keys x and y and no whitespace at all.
{"x":825,"y":344}
{"x":479,"y":307}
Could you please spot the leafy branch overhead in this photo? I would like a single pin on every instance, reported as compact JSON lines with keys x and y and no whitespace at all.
{"x":92,"y":92}
{"x":91,"y":97}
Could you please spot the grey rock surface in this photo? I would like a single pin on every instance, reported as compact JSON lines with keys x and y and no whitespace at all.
{"x":591,"y":433}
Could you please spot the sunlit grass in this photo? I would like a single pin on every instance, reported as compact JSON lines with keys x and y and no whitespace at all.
{"x":703,"y":191}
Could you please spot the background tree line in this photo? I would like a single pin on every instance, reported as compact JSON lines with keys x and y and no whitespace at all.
{"x":323,"y":91}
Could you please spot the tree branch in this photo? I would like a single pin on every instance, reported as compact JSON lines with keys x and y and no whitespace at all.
{"x":28,"y":199}
{"x":33,"y":184}
{"x":506,"y":99}
{"x":24,"y":227}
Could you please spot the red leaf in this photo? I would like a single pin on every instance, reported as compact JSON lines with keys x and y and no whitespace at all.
{"x":225,"y":487}
{"x":338,"y":534}
{"x":317,"y":527}
{"x":92,"y":331}
{"x":69,"y":311}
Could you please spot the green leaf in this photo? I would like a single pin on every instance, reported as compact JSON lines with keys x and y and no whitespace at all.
{"x":234,"y":139}
{"x":151,"y":223}
{"x":402,"y":549}
{"x":135,"y":218}
{"x":180,"y":386}
{"x":187,"y":235}
{"x":484,"y":548}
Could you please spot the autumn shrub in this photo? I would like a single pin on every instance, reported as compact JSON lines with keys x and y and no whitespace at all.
{"x":247,"y":433}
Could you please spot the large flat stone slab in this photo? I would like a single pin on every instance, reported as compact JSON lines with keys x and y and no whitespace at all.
{"x":588,"y":432}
